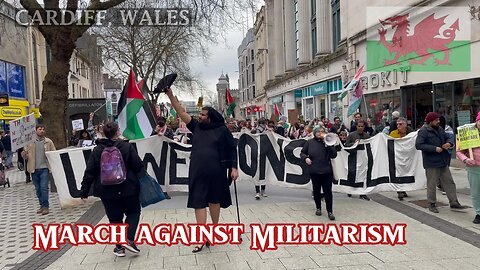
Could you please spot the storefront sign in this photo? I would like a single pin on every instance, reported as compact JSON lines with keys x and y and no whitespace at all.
{"x":319,"y":89}
{"x":468,"y":136}
{"x":11,"y":112}
{"x":298,"y":93}
{"x":385,"y":78}
{"x":4,"y":99}
{"x":277,"y":99}
{"x":16,"y":81}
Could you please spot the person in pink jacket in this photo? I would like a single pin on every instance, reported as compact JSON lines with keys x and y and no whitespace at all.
{"x":473,"y":169}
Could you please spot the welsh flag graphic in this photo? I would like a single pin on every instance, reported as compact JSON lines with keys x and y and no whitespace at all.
{"x":135,"y":119}
{"x":418,"y":39}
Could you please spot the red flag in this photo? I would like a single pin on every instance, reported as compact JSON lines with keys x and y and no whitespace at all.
{"x":276,"y":111}
{"x":229,"y":97}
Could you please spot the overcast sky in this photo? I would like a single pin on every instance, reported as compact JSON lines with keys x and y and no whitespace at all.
{"x":223,"y":58}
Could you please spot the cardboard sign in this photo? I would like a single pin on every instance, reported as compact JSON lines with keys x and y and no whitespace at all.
{"x":292,"y":116}
{"x":468,"y":137}
{"x":22,"y":131}
{"x":77,"y":124}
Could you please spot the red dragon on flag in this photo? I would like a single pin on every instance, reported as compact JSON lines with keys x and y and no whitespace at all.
{"x":424,"y":38}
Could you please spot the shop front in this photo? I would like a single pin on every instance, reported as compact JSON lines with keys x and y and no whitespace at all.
{"x":315,"y":99}
{"x":17,"y":108}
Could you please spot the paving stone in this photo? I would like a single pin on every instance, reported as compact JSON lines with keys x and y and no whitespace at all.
{"x":344,"y":259}
{"x":298,"y":263}
{"x":180,"y":261}
{"x":119,"y":265}
{"x":231,"y":265}
{"x":211,"y":258}
{"x":243,"y":255}
{"x":270,"y":264}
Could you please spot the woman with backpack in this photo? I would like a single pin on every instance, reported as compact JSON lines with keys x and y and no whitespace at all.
{"x":112,"y":169}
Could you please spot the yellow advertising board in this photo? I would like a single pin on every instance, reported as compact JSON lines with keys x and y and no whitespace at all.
{"x":17,"y":109}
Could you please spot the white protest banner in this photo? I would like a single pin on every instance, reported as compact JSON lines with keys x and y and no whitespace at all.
{"x":22,"y":131}
{"x":377,"y":164}
{"x":77,"y":124}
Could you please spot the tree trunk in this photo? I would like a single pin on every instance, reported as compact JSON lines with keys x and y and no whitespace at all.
{"x":55,"y":92}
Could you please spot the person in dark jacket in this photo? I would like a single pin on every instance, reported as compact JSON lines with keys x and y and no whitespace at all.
{"x":354,"y":137}
{"x":337,"y":126}
{"x":434,"y":143}
{"x":353,"y":124}
{"x":121,"y":199}
{"x":318,"y":157}
{"x":7,"y":144}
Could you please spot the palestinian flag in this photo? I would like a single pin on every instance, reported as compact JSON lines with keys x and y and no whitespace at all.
{"x":230,"y":103}
{"x":135,"y":119}
{"x":276,"y":111}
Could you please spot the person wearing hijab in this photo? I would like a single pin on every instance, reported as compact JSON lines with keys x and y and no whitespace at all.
{"x":317,"y":155}
{"x":213,"y":154}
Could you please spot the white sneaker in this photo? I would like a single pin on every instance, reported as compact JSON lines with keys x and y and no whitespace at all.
{"x":444,"y":193}
{"x":263,"y":194}
{"x":257,"y":196}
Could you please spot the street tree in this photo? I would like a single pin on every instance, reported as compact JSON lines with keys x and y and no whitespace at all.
{"x":214,"y":15}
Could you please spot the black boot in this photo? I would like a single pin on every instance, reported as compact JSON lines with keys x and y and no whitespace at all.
{"x":477,"y":219}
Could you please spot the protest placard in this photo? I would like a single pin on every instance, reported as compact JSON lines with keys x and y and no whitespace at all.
{"x":22,"y":131}
{"x":77,"y":124}
{"x":468,"y":137}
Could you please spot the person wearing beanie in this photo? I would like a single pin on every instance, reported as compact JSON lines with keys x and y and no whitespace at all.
{"x":434,"y":144}
{"x":473,"y":170}
{"x":317,"y":155}
{"x":393,"y":123}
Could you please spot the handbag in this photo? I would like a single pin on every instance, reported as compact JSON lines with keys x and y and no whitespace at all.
{"x":150,"y":191}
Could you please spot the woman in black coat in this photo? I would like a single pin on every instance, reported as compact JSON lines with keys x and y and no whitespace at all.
{"x":120,"y":199}
{"x":318,"y":157}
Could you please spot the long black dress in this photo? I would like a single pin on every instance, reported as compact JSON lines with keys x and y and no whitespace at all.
{"x":213,"y":152}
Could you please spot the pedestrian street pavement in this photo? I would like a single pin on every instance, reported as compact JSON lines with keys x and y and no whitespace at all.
{"x":433,"y":241}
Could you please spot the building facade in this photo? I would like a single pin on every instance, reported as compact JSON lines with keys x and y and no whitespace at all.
{"x":85,"y":77}
{"x":247,"y":77}
{"x":309,"y":50}
{"x":443,"y":79}
{"x":301,"y":56}
{"x":22,"y":67}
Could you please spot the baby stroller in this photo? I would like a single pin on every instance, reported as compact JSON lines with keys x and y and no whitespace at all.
{"x":4,"y":181}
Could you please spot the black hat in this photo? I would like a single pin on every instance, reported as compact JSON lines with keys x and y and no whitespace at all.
{"x":165,"y":83}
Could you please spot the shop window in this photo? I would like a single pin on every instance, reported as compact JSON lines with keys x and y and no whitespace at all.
{"x":253,"y":73}
{"x":380,"y":107}
{"x":335,"y":23}
{"x":35,"y":68}
{"x":313,"y":22}
{"x":297,"y":48}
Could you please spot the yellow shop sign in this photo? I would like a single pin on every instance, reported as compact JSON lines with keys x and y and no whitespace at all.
{"x":11,"y":112}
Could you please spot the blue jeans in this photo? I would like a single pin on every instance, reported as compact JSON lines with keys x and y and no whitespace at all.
{"x":40,"y":181}
{"x":9,"y":159}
